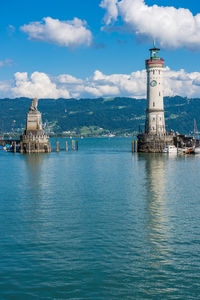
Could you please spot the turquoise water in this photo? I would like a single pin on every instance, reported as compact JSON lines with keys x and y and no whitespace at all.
{"x":99,"y":223}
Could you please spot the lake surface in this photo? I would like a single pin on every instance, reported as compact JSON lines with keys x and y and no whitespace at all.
{"x":99,"y":223}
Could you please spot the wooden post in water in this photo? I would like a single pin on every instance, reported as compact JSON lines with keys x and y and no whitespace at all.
{"x":133,"y":147}
{"x":136,"y":146}
{"x":76,"y":145}
{"x":21,"y":147}
{"x":29,"y":147}
{"x":73,"y":145}
{"x":57,"y":146}
{"x":66,"y":146}
{"x":14,"y":148}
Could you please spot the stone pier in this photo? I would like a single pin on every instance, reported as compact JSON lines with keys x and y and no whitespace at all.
{"x":154,"y":143}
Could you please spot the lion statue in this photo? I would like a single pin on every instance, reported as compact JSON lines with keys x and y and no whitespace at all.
{"x":34,"y":104}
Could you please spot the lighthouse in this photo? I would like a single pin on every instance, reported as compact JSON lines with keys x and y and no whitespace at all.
{"x":155,"y":137}
{"x":155,"y":120}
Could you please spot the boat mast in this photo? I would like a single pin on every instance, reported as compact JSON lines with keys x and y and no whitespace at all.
{"x":194,"y":132}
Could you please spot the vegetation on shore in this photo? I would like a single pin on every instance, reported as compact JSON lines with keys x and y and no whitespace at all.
{"x":97,"y":117}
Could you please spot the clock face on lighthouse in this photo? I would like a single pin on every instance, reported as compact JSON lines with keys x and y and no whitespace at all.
{"x":153,"y":83}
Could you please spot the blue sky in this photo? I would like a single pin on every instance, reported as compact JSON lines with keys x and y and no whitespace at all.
{"x":112,"y":48}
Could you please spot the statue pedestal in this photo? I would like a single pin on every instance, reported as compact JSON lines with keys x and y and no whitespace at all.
{"x":34,"y":140}
{"x":34,"y":121}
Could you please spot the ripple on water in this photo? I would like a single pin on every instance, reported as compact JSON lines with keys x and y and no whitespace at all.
{"x":99,"y":224}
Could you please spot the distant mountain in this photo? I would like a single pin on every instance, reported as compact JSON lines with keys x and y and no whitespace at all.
{"x":98,"y":116}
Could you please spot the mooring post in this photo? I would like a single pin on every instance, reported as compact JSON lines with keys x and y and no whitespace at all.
{"x":136,"y":146}
{"x":49,"y":148}
{"x":57,"y":146}
{"x":73,"y":145}
{"x":21,"y":147}
{"x":76,"y":145}
{"x":29,"y":147}
{"x":133,"y":147}
{"x":14,"y":147}
{"x":66,"y":146}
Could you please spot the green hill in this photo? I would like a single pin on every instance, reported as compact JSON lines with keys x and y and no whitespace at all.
{"x":98,"y":116}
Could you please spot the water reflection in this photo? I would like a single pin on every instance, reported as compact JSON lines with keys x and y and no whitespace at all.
{"x":34,"y":160}
{"x":156,"y":207}
{"x":36,"y":178}
{"x":39,"y":196}
{"x":34,"y":163}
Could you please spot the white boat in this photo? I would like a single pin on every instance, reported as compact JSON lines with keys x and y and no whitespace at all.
{"x":170,"y":149}
{"x":197,"y":150}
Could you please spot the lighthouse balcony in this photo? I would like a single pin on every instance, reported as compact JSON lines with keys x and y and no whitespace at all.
{"x":154,"y":62}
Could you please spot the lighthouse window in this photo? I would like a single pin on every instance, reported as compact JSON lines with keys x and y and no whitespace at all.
{"x":153,"y":72}
{"x":153,"y":104}
{"x":159,"y":94}
{"x":160,"y":119}
{"x":159,"y":72}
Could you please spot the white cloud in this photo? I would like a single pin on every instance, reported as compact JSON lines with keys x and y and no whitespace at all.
{"x":181,"y":83}
{"x":66,"y":78}
{"x":170,"y":26}
{"x":112,"y":11}
{"x":70,"y":34}
{"x":132,"y":85}
{"x":41,"y":85}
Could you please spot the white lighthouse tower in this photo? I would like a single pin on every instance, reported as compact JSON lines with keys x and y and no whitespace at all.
{"x":155,"y":120}
{"x":155,"y":138}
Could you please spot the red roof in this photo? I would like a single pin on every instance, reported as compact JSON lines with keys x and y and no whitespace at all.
{"x":158,"y":61}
